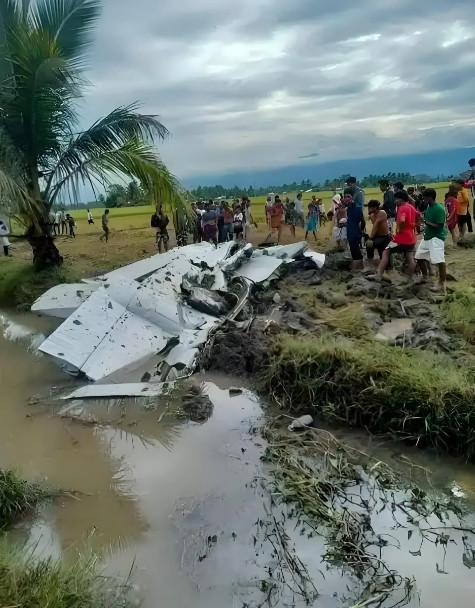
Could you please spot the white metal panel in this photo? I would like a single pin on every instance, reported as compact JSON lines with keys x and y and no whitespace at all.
{"x":259,"y":269}
{"x":62,"y":300}
{"x":133,"y":389}
{"x":131,"y":340}
{"x":318,"y":258}
{"x":77,"y":338}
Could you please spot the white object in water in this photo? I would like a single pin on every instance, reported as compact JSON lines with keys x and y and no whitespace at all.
{"x":300,"y":423}
{"x":132,"y":389}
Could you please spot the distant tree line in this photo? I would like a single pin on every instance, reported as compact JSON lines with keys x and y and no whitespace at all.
{"x":214,"y":192}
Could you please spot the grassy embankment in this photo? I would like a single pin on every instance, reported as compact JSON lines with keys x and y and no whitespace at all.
{"x":426,"y":398}
{"x":27,"y":581}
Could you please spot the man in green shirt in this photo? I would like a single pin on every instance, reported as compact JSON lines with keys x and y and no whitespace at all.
{"x":432,"y":248}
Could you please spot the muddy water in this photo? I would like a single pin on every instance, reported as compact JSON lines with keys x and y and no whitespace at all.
{"x":182,"y":501}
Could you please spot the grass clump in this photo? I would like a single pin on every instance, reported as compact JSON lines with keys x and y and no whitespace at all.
{"x":27,"y":581}
{"x":21,"y":285}
{"x":18,"y":496}
{"x":417,"y":395}
{"x":459,"y":310}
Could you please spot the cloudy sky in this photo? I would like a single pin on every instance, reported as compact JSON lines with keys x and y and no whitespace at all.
{"x":257,"y":84}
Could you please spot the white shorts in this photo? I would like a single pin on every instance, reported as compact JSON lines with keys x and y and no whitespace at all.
{"x":391,"y":221}
{"x":432,"y":251}
{"x":339,"y":234}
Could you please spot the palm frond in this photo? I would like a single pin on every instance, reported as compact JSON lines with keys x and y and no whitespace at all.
{"x":134,"y":158}
{"x":9,"y":22}
{"x":106,"y":135}
{"x":69,"y":24}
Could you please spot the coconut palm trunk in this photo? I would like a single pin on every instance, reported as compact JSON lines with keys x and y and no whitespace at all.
{"x":45,"y":158}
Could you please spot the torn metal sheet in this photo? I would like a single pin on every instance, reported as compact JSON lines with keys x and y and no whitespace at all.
{"x":62,"y":300}
{"x":287,"y":252}
{"x":318,"y":258}
{"x":102,"y":337}
{"x":166,"y":306}
{"x":133,"y":389}
{"x":200,"y":253}
{"x":259,"y":269}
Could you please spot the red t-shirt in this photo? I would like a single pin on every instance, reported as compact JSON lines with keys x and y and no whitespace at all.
{"x":407,"y":214}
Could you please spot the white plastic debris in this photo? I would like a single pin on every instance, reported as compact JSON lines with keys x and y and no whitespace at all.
{"x":300,"y":423}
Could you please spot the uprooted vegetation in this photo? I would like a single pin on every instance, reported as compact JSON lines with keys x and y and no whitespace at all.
{"x":341,"y":493}
{"x":458,"y":308}
{"x":419,"y":396}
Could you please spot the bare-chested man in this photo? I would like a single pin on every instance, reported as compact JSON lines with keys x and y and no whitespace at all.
{"x":379,"y":238}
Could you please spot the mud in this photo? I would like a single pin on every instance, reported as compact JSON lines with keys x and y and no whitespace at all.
{"x":188,"y":505}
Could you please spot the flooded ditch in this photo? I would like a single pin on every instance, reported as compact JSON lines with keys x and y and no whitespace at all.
{"x":194,"y":511}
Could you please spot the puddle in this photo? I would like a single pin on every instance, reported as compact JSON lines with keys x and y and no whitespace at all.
{"x":392,"y":329}
{"x":182,"y":502}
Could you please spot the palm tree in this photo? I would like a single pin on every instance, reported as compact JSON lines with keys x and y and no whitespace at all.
{"x":43,"y":50}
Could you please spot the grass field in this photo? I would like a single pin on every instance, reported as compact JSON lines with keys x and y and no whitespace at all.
{"x":139,"y":217}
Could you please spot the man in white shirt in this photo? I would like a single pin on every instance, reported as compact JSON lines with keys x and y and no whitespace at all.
{"x":4,"y":232}
{"x":90,"y":219}
{"x":57,"y":222}
{"x":299,"y":210}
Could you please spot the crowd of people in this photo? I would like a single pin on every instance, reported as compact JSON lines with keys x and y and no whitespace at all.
{"x":395,"y":225}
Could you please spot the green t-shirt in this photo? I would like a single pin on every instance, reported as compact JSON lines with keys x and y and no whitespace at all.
{"x":436,"y":215}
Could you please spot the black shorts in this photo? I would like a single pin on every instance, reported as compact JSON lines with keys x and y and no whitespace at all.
{"x":462,"y":220}
{"x":400,"y":248}
{"x":163,"y":236}
{"x":379,"y":244}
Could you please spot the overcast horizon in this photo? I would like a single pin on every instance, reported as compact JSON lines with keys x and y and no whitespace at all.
{"x":264,"y":84}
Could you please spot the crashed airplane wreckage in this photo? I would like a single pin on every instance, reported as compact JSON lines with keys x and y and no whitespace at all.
{"x":167,"y":305}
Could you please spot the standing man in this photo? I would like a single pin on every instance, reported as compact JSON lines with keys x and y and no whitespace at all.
{"x":463,"y":203}
{"x":64,"y":223}
{"x":299,"y":210}
{"x":105,"y":226}
{"x":57,"y":222}
{"x":4,"y":242}
{"x":431,"y":249}
{"x":379,"y":238}
{"x":160,"y":221}
{"x":404,"y":239}
{"x":389,"y":204}
{"x":356,"y":192}
{"x":90,"y":219}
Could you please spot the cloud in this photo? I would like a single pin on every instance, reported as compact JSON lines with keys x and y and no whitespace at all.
{"x":254,"y":84}
{"x":308,"y":156}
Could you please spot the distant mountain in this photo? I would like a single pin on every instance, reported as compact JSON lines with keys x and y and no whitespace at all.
{"x":442,"y":162}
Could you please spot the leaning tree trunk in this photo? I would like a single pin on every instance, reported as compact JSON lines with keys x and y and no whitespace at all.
{"x":45,"y":252}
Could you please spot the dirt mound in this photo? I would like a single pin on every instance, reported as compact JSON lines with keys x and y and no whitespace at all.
{"x":236,"y":351}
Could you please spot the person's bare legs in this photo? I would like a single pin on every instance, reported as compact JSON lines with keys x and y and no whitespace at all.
{"x":411,"y":263}
{"x":306,"y":235}
{"x":315,"y":235}
{"x":441,"y":287}
{"x":462,"y":231}
{"x":454,"y":236}
{"x":292,"y":230}
{"x":383,"y":264}
{"x":279,"y":232}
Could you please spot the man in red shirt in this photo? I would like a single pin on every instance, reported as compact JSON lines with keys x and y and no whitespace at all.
{"x":404,"y":239}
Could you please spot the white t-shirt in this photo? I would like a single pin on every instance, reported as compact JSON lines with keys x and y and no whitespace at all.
{"x":58,"y":217}
{"x":298,"y":206}
{"x":89,"y":216}
{"x":238,"y":217}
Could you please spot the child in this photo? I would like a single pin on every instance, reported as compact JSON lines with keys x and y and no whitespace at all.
{"x":312,"y":218}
